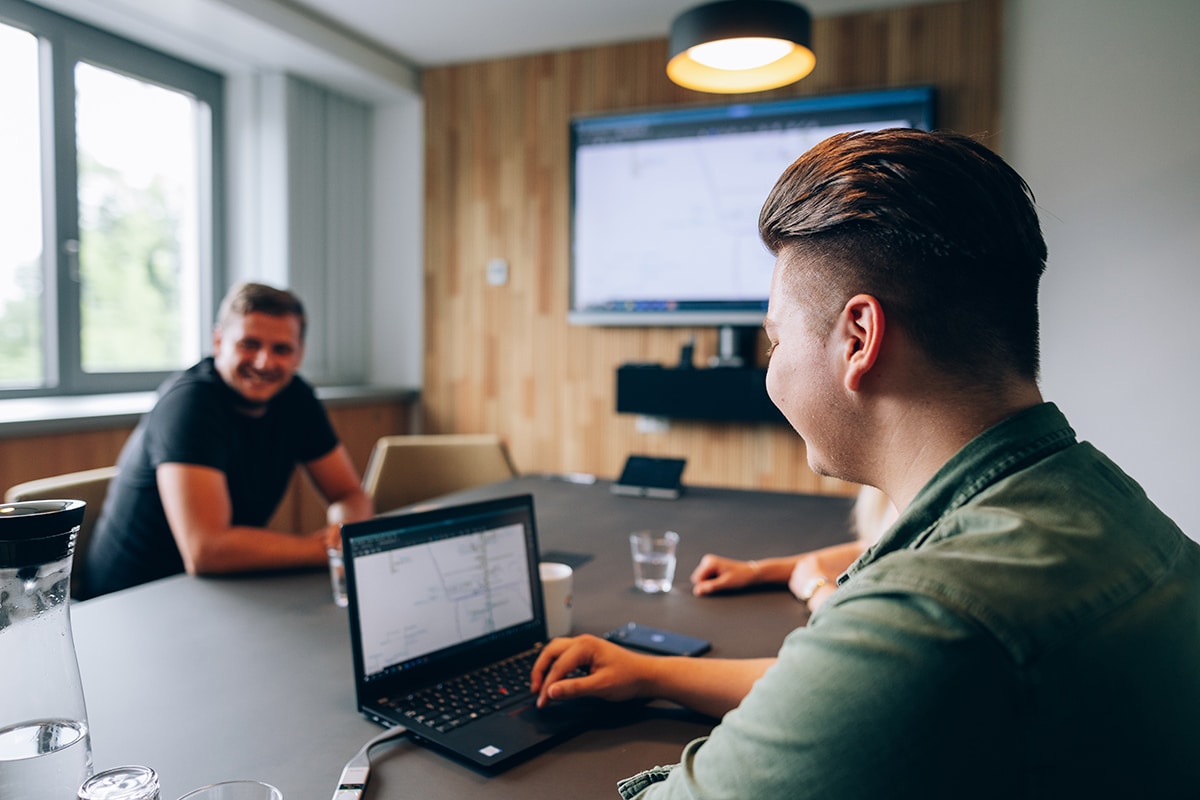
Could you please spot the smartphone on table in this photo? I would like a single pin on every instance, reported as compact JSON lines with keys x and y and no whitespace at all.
{"x":657,"y":640}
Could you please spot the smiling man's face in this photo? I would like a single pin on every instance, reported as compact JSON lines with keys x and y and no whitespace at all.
{"x":803,"y":377}
{"x":257,"y":354}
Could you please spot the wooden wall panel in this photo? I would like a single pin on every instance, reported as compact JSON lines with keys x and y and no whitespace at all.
{"x":27,"y":458}
{"x":503,"y":359}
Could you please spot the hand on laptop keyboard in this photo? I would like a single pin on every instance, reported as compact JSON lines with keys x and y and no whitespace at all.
{"x":445,"y":706}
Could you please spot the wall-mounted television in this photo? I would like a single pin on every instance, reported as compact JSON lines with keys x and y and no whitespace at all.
{"x":665,"y":203}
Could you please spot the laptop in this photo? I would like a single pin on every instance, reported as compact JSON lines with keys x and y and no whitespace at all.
{"x":435,"y":595}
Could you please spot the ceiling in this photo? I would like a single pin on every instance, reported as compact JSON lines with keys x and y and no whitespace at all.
{"x":375,"y":49}
{"x":433,"y":33}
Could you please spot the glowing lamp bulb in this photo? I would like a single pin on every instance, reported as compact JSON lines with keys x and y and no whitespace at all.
{"x":739,"y":54}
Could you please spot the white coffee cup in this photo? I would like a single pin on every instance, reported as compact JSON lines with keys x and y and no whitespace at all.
{"x":557,"y":584}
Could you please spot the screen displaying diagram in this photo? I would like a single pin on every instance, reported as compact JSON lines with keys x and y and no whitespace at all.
{"x":436,"y":594}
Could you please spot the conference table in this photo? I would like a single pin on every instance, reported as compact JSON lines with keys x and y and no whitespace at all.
{"x":251,"y":676}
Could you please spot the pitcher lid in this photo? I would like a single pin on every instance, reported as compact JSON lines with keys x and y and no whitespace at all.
{"x":38,"y":531}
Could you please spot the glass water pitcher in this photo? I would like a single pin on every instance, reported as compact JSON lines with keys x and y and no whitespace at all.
{"x":45,"y":749}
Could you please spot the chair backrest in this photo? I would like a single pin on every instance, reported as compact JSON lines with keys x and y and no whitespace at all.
{"x":90,"y":486}
{"x":408,"y":469}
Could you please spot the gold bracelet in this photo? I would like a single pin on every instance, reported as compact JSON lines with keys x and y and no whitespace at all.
{"x":810,"y":587}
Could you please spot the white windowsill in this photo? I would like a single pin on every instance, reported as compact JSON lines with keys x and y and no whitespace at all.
{"x":35,"y":416}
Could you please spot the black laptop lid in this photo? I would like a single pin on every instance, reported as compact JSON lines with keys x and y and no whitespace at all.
{"x":438,"y":592}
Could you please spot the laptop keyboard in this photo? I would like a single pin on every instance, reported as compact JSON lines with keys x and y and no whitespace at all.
{"x":451,"y":704}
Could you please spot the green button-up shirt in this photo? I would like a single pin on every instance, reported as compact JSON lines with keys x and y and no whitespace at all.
{"x":1029,"y":627}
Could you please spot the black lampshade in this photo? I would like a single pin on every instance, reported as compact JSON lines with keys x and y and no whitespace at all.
{"x":741,"y":46}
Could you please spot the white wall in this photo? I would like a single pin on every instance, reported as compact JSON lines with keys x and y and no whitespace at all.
{"x":1101,"y":114}
{"x":397,"y":282}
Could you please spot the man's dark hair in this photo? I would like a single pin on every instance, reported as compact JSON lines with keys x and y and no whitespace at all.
{"x":251,"y":298}
{"x":936,"y":226}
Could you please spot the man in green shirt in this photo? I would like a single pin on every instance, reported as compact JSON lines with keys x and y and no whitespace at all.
{"x":1030,"y":625}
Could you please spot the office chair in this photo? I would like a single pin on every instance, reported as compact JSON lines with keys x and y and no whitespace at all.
{"x":408,"y":469}
{"x":90,"y":486}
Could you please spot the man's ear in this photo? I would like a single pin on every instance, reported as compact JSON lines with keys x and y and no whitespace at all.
{"x":216,"y":340}
{"x":862,"y":325}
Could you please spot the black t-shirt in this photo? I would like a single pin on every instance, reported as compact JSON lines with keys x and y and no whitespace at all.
{"x":197,"y":421}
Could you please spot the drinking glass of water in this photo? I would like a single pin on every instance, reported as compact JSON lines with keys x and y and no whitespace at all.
{"x":337,"y":575}
{"x":653,"y":559}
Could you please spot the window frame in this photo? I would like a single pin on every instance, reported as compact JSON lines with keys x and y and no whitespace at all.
{"x":64,"y":42}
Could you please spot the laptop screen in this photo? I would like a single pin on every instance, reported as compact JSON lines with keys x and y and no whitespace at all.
{"x":436,"y":584}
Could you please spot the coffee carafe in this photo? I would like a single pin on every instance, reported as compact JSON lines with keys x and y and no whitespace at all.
{"x":45,"y":747}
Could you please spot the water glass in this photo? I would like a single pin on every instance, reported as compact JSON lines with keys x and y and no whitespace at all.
{"x":235,"y":790}
{"x":337,"y":576}
{"x":133,"y":782}
{"x":653,"y":560}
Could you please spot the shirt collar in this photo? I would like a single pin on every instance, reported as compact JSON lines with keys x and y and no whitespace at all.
{"x":1008,"y":446}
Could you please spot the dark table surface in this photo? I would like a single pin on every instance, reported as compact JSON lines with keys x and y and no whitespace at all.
{"x":209,"y":679}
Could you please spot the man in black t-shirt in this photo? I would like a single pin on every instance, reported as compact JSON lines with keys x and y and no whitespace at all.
{"x":204,"y":471}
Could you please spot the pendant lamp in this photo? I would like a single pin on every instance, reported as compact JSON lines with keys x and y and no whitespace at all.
{"x":734,"y":46}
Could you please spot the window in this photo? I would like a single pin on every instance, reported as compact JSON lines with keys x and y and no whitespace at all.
{"x":109,"y":176}
{"x":21,"y":332}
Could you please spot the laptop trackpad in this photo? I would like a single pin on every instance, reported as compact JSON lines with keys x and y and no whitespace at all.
{"x":504,"y":733}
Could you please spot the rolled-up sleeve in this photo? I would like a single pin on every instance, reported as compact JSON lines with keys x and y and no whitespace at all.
{"x":868,"y":703}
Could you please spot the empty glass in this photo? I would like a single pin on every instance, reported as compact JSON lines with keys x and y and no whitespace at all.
{"x":133,"y":782}
{"x":235,"y":790}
